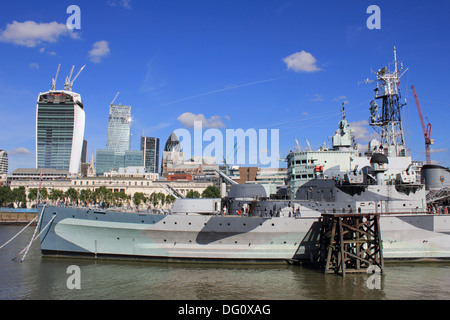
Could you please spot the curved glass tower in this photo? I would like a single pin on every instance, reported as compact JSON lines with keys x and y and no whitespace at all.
{"x":60,"y":123}
{"x":60,"y":120}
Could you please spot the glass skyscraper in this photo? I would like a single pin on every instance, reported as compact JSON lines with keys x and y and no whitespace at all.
{"x":60,"y":120}
{"x":150,"y":149}
{"x":108,"y":160}
{"x":117,"y":153}
{"x":119,"y":128}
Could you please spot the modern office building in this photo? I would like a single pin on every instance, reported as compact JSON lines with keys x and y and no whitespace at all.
{"x":150,"y":150}
{"x":119,"y":128}
{"x":60,"y":123}
{"x":3,"y":162}
{"x":117,"y":153}
{"x":109,"y":160}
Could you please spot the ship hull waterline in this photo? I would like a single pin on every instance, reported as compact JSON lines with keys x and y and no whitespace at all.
{"x":209,"y":238}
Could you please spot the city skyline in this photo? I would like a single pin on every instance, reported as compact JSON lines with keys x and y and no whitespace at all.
{"x":284,"y":65}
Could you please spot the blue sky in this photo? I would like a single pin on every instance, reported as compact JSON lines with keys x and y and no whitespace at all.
{"x":225,"y":60}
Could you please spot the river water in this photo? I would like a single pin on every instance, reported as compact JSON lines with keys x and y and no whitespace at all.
{"x":45,"y":278}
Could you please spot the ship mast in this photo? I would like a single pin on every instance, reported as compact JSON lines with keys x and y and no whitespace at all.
{"x":388,"y":122}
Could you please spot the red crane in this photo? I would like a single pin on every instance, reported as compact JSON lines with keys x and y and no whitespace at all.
{"x":426,"y":129}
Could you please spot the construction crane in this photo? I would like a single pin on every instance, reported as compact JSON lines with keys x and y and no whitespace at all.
{"x":114,"y":98}
{"x":55,"y":78}
{"x":426,"y":129}
{"x":69,"y":81}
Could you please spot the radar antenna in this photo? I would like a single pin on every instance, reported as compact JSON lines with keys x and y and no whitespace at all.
{"x":388,"y":123}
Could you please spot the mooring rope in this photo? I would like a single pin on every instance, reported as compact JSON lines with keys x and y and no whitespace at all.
{"x":34,"y":239}
{"x":34,"y":233}
{"x":19,"y":232}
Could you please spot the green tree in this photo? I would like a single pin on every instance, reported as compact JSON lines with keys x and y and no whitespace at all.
{"x":5,"y":195}
{"x":161,"y":198}
{"x":43,"y":194}
{"x":32,"y":194}
{"x":170,"y":199}
{"x":211,"y":192}
{"x":119,"y":198}
{"x":72,"y":195}
{"x":138,"y":198}
{"x":193,"y":194}
{"x":85,"y":195}
{"x":19,"y":196}
{"x":56,"y":195}
{"x":154,"y":199}
{"x":103,"y":195}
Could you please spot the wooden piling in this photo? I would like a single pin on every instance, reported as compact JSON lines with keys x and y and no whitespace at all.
{"x":350,"y":243}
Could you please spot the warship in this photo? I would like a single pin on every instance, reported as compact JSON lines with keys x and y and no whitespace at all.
{"x":251,"y":224}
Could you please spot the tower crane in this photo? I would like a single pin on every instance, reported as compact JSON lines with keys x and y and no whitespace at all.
{"x":55,"y":78}
{"x":69,"y":81}
{"x":426,"y":129}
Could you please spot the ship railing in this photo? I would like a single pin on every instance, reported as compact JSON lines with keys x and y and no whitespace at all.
{"x":116,"y":209}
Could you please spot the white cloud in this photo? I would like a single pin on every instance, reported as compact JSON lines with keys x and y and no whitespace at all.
{"x":30,"y":34}
{"x":361,"y":132}
{"x":438,"y":150}
{"x":187,"y":119}
{"x":99,"y":50}
{"x":158,"y":126}
{"x":19,"y":151}
{"x":34,"y":65}
{"x":120,"y":3}
{"x":317,"y":97}
{"x":301,"y":62}
{"x":341,"y":98}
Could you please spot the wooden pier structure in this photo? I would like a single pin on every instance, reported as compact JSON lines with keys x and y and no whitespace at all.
{"x":350,"y":243}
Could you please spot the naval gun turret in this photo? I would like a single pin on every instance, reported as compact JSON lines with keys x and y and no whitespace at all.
{"x":380,"y":164}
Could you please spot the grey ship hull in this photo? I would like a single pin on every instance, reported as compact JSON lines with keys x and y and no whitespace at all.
{"x":193,"y":237}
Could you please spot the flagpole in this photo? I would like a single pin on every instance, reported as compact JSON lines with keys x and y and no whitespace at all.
{"x":40,"y":187}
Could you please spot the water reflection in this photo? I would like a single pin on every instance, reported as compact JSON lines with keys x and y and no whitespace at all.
{"x":45,"y":278}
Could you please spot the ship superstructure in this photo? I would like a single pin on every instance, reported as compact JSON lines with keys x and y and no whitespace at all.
{"x":344,"y":157}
